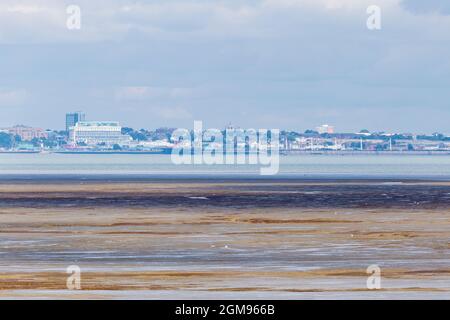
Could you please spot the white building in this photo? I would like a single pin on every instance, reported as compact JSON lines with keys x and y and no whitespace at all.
{"x":98,"y":132}
{"x":325,"y":129}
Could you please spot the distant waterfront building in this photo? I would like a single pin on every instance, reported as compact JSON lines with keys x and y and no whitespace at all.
{"x":27,"y":133}
{"x":73,"y":118}
{"x":98,"y":132}
{"x":325,"y":129}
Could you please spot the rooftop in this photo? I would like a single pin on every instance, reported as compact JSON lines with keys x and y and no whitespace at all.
{"x":98,"y":124}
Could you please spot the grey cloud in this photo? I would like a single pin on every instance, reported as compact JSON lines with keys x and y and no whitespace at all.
{"x":427,"y":6}
{"x":273,"y":63}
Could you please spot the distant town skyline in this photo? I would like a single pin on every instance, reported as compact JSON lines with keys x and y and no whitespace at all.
{"x":256,"y":63}
{"x":106,"y":136}
{"x":74,"y":117}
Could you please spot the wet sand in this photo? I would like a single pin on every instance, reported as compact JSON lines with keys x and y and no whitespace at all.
{"x":208,"y":240}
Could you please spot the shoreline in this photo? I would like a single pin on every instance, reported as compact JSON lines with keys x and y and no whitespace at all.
{"x":207,"y":178}
{"x":282,"y":152}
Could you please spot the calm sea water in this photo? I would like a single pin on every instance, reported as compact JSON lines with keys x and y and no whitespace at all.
{"x":295,"y":166}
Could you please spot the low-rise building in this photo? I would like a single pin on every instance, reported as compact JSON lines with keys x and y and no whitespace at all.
{"x":27,"y":133}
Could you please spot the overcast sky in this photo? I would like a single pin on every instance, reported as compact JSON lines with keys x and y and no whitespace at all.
{"x":291,"y":64}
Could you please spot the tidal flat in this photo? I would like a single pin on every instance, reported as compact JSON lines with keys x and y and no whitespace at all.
{"x":225,"y":239}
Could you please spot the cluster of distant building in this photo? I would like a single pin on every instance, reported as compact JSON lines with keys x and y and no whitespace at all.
{"x":27,"y":133}
{"x":79,"y":134}
{"x":83,"y":135}
{"x":325,"y":139}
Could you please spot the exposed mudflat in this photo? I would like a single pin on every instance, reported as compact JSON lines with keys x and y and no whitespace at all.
{"x":225,"y":239}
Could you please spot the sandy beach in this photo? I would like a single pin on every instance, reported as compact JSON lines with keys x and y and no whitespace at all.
{"x":230,"y":240}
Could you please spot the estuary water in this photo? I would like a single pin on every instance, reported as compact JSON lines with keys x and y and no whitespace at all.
{"x":291,"y":166}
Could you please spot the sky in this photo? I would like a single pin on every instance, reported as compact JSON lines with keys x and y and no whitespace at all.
{"x":289,"y":64}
